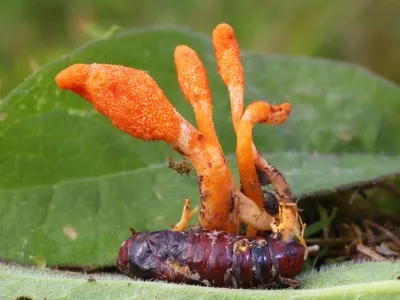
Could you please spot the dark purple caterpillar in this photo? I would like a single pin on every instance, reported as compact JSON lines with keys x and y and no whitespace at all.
{"x":211,"y":258}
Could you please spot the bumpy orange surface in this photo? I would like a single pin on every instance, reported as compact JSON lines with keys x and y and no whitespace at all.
{"x":192,"y":77}
{"x":129,"y":97}
{"x":227,"y":53}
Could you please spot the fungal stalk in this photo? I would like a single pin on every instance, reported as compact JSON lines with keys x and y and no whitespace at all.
{"x":256,"y":112}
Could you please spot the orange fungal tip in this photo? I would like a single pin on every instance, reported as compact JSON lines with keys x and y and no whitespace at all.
{"x":72,"y":75}
{"x":263,"y":112}
{"x":224,"y":36}
{"x":73,"y":78}
{"x":227,"y":54}
{"x":130,"y":98}
{"x":183,"y":51}
{"x":192,"y":76}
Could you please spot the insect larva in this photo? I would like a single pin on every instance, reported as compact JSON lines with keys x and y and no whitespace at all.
{"x":211,"y":258}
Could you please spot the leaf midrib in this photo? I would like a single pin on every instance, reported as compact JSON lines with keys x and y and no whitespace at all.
{"x":384,"y":287}
{"x":161,"y":165}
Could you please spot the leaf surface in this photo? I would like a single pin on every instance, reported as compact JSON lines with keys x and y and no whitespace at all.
{"x":347,"y":281}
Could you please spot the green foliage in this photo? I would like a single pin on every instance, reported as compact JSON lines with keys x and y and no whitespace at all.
{"x":348,"y":281}
{"x":365,"y":32}
{"x":72,"y":184}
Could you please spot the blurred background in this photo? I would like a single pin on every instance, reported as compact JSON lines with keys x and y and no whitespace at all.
{"x":366,"y":32}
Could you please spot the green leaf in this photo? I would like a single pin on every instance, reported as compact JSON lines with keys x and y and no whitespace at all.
{"x":367,"y":281}
{"x":71,"y":184}
{"x":321,"y":224}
